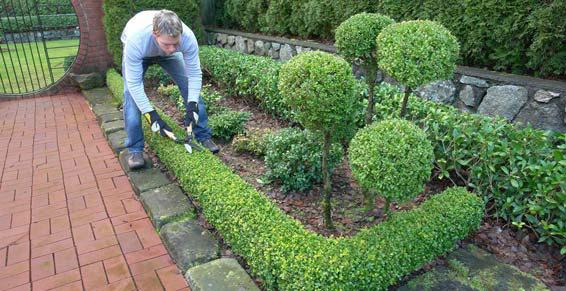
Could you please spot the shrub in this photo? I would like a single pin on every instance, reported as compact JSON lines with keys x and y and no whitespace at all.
{"x":68,"y":62}
{"x":293,"y":157}
{"x":458,"y":137}
{"x":115,"y":84}
{"x":156,"y":75}
{"x":416,"y":53}
{"x":355,"y":40}
{"x":253,"y":141}
{"x":227,"y":124}
{"x":287,"y":256}
{"x":320,"y":89}
{"x":393,"y":157}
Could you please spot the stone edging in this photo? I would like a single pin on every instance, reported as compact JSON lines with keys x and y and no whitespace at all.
{"x":519,"y":99}
{"x":194,"y":249}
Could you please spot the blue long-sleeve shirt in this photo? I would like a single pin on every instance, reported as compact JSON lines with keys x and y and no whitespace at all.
{"x":139,"y":42}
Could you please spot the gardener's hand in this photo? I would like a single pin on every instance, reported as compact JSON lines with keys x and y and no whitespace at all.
{"x":158,"y":125}
{"x":191,"y":115}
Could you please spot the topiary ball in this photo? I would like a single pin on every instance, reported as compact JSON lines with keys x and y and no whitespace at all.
{"x":355,"y":37}
{"x":417,"y":52}
{"x":319,"y":88}
{"x":393,"y":157}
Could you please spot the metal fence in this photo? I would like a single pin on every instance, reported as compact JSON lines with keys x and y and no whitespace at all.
{"x":39,"y":40}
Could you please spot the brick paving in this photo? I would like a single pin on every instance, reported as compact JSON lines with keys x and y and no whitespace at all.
{"x":69,"y":219}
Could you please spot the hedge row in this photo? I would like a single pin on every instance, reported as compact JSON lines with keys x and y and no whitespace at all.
{"x":521,"y":172}
{"x":43,"y":7}
{"x":32,"y":23}
{"x":288,"y":257}
{"x":496,"y":34}
{"x":118,"y":12}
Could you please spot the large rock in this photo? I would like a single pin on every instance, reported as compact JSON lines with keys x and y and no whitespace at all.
{"x":145,"y":180}
{"x":470,"y":95}
{"x":241,"y":45}
{"x":471,"y":268}
{"x":274,"y":54}
{"x":189,"y":244}
{"x":441,"y":91}
{"x":504,"y":101}
{"x":89,"y":81}
{"x":473,"y":81}
{"x":220,"y":275}
{"x":543,"y":116}
{"x":251,"y":46}
{"x":165,"y":204}
{"x":221,"y":38}
{"x":260,"y":48}
{"x":286,"y":53}
{"x":230,"y":40}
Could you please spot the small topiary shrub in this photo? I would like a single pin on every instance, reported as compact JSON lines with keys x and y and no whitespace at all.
{"x":355,"y":40}
{"x":293,"y":157}
{"x":227,"y":124}
{"x":320,"y":89}
{"x":416,"y":53}
{"x":253,"y":141}
{"x":393,"y":157}
{"x":156,"y":75}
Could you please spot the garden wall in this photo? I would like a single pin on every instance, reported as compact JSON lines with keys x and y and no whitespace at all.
{"x":516,"y":98}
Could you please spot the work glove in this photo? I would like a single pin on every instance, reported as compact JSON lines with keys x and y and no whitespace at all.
{"x":191,"y":115}
{"x":158,"y":125}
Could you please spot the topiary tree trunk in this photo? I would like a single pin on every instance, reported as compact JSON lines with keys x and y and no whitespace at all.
{"x":371,"y":71}
{"x":327,"y":204}
{"x":404,"y":104}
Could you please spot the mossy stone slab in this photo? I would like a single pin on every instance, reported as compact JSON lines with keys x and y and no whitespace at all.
{"x":166,"y":204}
{"x":98,"y":95}
{"x":117,"y":140}
{"x":220,"y":275}
{"x":103,"y":109}
{"x":189,"y":243}
{"x":123,"y":158}
{"x":147,"y":179}
{"x":112,"y":126}
{"x":119,"y":115}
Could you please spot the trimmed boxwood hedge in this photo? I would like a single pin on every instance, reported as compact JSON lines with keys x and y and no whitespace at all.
{"x":522,"y":171}
{"x":288,"y":257}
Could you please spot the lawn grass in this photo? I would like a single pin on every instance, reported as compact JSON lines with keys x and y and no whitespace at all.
{"x":24,"y":67}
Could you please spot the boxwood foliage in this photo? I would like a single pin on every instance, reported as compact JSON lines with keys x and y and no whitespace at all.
{"x":355,"y":41}
{"x":521,"y":172}
{"x":393,"y":157}
{"x":286,"y":256}
{"x":293,"y":157}
{"x":228,"y":123}
{"x":416,"y":53}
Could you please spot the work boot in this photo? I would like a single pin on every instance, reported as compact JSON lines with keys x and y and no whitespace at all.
{"x":210,"y":145}
{"x":136,"y":161}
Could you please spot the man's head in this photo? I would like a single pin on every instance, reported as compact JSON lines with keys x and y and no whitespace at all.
{"x":167,"y":29}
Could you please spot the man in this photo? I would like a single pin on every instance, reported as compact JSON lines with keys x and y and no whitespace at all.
{"x":159,"y":37}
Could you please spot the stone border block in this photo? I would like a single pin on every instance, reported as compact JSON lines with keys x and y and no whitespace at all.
{"x":123,"y":156}
{"x":165,"y":204}
{"x":220,"y":275}
{"x":117,"y":140}
{"x":189,"y":243}
{"x":112,"y":126}
{"x":148,"y":179}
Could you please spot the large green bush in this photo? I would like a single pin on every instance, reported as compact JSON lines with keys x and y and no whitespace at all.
{"x":393,"y":157}
{"x":293,"y":157}
{"x":535,"y":160}
{"x":416,"y":53}
{"x":286,"y":256}
{"x":118,"y":12}
{"x":227,"y":124}
{"x":37,"y":23}
{"x":509,"y":35}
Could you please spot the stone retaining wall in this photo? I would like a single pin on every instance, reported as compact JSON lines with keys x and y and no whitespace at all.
{"x":520,"y":99}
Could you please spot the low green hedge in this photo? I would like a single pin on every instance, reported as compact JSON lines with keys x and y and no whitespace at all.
{"x":115,"y":84}
{"x":521,"y":172}
{"x":32,"y":23}
{"x":288,"y":257}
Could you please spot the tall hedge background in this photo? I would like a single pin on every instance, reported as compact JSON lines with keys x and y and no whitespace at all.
{"x":118,"y":12}
{"x":518,"y":36}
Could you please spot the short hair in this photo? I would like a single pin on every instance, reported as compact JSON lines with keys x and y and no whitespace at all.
{"x":168,"y":23}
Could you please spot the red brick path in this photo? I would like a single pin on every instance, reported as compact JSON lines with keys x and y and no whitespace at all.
{"x":69,"y":218}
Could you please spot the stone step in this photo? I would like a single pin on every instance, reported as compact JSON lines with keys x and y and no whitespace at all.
{"x":147,"y":179}
{"x":166,"y":204}
{"x":471,"y":268}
